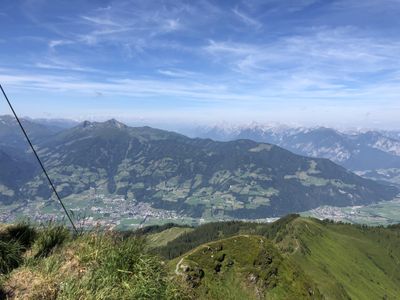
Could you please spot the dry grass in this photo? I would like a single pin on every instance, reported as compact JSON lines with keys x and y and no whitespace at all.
{"x":25,"y":284}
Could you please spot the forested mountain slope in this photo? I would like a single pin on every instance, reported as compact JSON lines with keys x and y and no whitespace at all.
{"x":196,"y":177}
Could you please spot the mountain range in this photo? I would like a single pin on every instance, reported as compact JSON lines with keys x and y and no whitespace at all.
{"x":195,"y":177}
{"x":372,"y":154}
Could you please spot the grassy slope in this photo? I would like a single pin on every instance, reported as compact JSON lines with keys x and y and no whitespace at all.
{"x":347,"y":261}
{"x":243,"y":267}
{"x":217,"y":230}
{"x":90,"y":266}
{"x":344,"y":261}
{"x":233,"y":261}
{"x":162,"y":238}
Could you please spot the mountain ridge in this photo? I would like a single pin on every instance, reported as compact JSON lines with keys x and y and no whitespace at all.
{"x":341,"y":261}
{"x":197,"y":177}
{"x":372,"y":154}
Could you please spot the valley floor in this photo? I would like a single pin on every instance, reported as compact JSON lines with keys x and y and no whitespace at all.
{"x":382,"y":213}
{"x":113,"y":213}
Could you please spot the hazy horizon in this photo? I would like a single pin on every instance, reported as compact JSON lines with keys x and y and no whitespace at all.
{"x":190,"y":128}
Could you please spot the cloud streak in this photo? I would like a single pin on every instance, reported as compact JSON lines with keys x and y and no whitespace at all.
{"x":246,"y":19}
{"x":337,"y":59}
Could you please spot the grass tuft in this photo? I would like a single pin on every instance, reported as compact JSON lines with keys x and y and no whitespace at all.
{"x":10,"y":256}
{"x":51,"y":237}
{"x":120,"y":269}
{"x":21,"y":232}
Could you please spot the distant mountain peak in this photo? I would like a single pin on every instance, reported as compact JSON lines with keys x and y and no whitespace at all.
{"x":86,"y":124}
{"x":115,"y":123}
{"x":109,"y":123}
{"x":7,"y":119}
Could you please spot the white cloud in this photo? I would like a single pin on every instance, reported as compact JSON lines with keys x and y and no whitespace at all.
{"x":55,"y":43}
{"x":184,"y":89}
{"x":127,"y":21}
{"x":178,"y":73}
{"x":320,"y":59}
{"x":100,"y":21}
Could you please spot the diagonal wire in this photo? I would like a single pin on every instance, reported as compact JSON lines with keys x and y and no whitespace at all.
{"x":38,"y":159}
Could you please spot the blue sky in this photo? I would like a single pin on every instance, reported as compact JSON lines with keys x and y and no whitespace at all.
{"x":310,"y":62}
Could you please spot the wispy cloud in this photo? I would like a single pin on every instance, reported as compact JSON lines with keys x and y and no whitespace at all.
{"x":187,"y":89}
{"x":65,"y":66}
{"x":239,"y":55}
{"x":246,"y":19}
{"x":55,"y":43}
{"x":178,"y":73}
{"x":100,"y":21}
{"x":278,"y":6}
{"x":341,"y":58}
{"x":120,"y":23}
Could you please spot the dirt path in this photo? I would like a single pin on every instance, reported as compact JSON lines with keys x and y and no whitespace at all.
{"x":178,"y":265}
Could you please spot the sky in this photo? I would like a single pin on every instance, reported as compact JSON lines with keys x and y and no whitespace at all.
{"x":307,"y":62}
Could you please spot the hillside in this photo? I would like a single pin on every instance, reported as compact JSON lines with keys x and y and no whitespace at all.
{"x":346,"y":261}
{"x":243,"y":267}
{"x":374,"y":154}
{"x":293,"y":258}
{"x":15,"y":172}
{"x":194,"y":177}
{"x":11,"y":135}
{"x":341,"y":261}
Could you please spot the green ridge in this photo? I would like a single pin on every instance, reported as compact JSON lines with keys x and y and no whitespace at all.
{"x":292,"y":258}
{"x":243,"y":267}
{"x":348,"y":261}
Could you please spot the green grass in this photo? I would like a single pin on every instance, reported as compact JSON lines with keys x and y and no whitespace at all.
{"x":348,"y":262}
{"x":213,"y":231}
{"x":162,"y":238}
{"x":118,"y":271}
{"x":292,"y":258}
{"x":22,"y":232}
{"x":93,"y":265}
{"x":243,"y":267}
{"x":10,"y":256}
{"x":51,"y":237}
{"x":14,"y":240}
{"x":343,"y":261}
